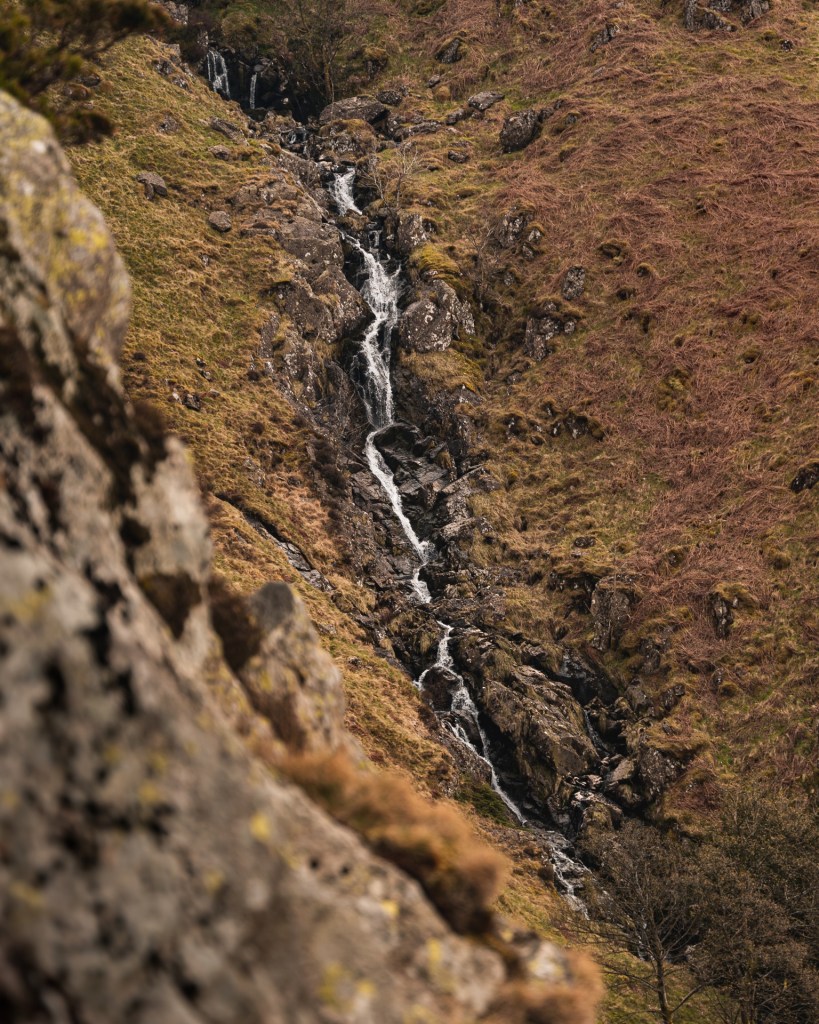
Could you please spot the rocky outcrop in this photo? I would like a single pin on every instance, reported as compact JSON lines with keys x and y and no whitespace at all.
{"x":435,"y":320}
{"x":611,"y":605}
{"x":484,"y":100}
{"x":519,"y":130}
{"x":151,"y":869}
{"x":544,"y":725}
{"x":356,"y":108}
{"x":710,"y":15}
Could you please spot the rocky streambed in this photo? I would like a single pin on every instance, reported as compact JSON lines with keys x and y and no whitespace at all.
{"x":401,"y":463}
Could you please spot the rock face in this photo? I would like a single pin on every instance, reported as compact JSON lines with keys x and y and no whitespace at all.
{"x":356,"y":108}
{"x":544,"y":725}
{"x":150,"y":868}
{"x":432,"y":322}
{"x":519,"y":130}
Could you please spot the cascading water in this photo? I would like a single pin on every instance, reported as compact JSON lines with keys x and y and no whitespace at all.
{"x":218,"y":73}
{"x":463,"y":707}
{"x":253,"y":83}
{"x":381,"y":291}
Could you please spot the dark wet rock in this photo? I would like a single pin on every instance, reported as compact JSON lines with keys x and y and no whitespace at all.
{"x":221,"y":221}
{"x":435,"y":320}
{"x":603,"y":37}
{"x":574,"y":283}
{"x":355,"y":108}
{"x":484,"y":100}
{"x":544,"y":725}
{"x":390,"y":97}
{"x":612,"y":602}
{"x":806,"y":478}
{"x":228,"y":129}
{"x":519,"y":130}
{"x":451,"y":51}
{"x":588,"y":680}
{"x":439,"y":686}
{"x":153,"y":184}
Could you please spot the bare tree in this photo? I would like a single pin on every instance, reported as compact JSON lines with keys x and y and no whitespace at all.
{"x":317,"y":33}
{"x":389,"y":180}
{"x":646,"y":904}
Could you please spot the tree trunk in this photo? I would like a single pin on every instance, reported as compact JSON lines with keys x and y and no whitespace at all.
{"x":662,"y":994}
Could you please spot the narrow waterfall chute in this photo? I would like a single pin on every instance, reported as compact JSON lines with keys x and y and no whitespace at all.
{"x":218,"y":73}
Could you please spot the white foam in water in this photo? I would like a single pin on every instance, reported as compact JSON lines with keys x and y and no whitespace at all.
{"x":463,"y":705}
{"x":342,"y":191}
{"x":218,"y":73}
{"x":253,"y":82}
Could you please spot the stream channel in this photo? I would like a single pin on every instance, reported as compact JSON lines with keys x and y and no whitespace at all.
{"x":381,"y":289}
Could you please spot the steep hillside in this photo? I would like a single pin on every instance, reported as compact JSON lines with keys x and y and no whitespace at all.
{"x":604,"y":222}
{"x":157,"y":861}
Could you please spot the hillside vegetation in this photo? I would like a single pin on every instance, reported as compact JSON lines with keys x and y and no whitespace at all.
{"x":651,"y":423}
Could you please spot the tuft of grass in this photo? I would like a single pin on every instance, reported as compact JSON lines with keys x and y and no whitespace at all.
{"x":431,"y":842}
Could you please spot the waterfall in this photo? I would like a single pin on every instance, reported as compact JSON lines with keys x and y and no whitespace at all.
{"x":464,"y":706}
{"x":218,"y":73}
{"x":341,"y":189}
{"x":381,"y":291}
{"x":253,"y":82}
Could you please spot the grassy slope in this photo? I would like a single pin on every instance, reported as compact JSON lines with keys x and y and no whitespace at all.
{"x":187,"y":309}
{"x":184,"y":310}
{"x":697,"y":351}
{"x":698,"y":154}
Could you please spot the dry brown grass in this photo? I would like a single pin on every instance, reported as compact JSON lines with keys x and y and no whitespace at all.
{"x":431,"y":842}
{"x":697,"y":153}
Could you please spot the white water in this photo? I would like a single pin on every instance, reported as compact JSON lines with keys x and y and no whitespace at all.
{"x":342,"y":191}
{"x":464,"y":706}
{"x":218,"y":73}
{"x":381,"y":292}
{"x":253,"y":82}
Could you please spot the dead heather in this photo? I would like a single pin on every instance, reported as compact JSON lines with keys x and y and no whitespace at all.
{"x":678,"y":169}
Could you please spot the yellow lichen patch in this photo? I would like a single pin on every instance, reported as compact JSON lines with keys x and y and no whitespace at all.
{"x":27,"y":894}
{"x":260,"y":828}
